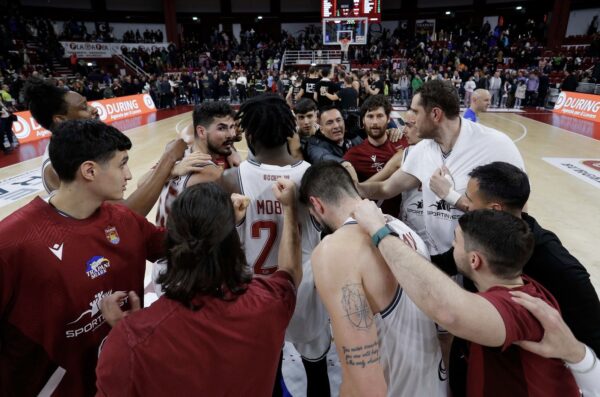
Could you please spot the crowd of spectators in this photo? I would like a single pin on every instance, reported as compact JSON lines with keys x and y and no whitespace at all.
{"x":210,"y":67}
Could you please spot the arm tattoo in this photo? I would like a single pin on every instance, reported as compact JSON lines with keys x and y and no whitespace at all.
{"x":361,"y":356}
{"x":356,"y":307}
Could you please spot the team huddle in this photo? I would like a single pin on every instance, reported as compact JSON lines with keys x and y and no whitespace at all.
{"x":409,"y":247}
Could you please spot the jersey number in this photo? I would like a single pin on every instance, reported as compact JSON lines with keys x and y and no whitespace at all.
{"x":271,"y":228}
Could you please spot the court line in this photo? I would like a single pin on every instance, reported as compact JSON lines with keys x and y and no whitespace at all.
{"x":523,"y":135}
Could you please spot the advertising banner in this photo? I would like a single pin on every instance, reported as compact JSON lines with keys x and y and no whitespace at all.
{"x":28,"y":130}
{"x":104,"y":50}
{"x":575,"y":104}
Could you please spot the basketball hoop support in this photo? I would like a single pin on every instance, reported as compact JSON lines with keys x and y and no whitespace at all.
{"x":345,"y":45}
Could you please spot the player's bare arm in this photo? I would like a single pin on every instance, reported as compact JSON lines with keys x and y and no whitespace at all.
{"x":399,"y":182}
{"x":289,"y":257}
{"x":432,"y":291}
{"x":143,"y":199}
{"x":339,"y":284}
{"x":230,"y":180}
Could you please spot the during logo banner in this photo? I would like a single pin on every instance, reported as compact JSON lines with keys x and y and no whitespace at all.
{"x":28,"y":130}
{"x":575,"y":104}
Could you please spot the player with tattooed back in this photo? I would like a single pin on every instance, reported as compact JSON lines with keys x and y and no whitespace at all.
{"x":386,"y":345}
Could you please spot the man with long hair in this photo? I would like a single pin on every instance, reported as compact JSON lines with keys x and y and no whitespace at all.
{"x":216,"y":331}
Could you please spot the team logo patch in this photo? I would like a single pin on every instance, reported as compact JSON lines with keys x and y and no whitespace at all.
{"x":112,"y":235}
{"x":97,"y":266}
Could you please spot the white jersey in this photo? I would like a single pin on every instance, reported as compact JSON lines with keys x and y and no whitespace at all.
{"x":411,"y":209}
{"x":173,"y":188}
{"x":408,"y":345}
{"x":476,"y":145}
{"x":260,"y":235}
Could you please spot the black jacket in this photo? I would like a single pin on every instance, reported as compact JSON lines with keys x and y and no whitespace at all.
{"x":320,"y":148}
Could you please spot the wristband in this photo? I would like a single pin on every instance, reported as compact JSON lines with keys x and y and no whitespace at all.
{"x":586,"y":365}
{"x":452,"y":197}
{"x":381,"y":234}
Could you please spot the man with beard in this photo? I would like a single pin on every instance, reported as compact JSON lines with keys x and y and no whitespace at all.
{"x":268,"y":122}
{"x":214,"y":134}
{"x":491,"y":248}
{"x":371,"y":156}
{"x":450,"y":145}
{"x":386,"y":345}
{"x":50,"y":106}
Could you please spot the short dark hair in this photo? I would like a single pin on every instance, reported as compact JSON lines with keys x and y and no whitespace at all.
{"x":304,"y":106}
{"x":375,"y":102}
{"x":441,"y":94}
{"x":44,"y":100}
{"x":504,"y":240}
{"x":205,"y":113}
{"x":503,"y":182}
{"x":327,"y":180}
{"x":75,"y":141}
{"x":268,"y":119}
{"x":327,"y":108}
{"x":204,"y":252}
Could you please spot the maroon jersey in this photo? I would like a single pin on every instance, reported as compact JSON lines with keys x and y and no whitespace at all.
{"x":54,"y":270}
{"x":225,"y":348}
{"x":368,"y":159}
{"x":509,"y":370}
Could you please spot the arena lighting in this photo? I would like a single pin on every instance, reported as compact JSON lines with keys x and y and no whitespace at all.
{"x":90,"y":64}
{"x":519,"y":8}
{"x":313,"y":64}
{"x":260,"y":17}
{"x":195,"y":18}
{"x":448,"y":12}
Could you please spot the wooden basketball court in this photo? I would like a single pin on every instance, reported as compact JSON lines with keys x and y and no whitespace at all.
{"x":561,"y":202}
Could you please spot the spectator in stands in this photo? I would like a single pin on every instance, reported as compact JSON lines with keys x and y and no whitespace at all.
{"x":495,"y":84}
{"x":470,"y":87}
{"x":533,"y":83}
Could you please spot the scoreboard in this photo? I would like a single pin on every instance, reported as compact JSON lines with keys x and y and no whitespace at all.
{"x":351,"y":8}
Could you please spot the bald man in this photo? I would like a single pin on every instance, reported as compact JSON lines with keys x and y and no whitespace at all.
{"x":480,"y":101}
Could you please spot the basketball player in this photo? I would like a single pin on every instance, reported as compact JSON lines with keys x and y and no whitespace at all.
{"x":411,"y":209}
{"x":50,"y":105}
{"x":77,"y":249}
{"x":267,"y":122}
{"x":490,"y":248}
{"x":215,"y":132}
{"x":371,"y":156}
{"x":386,"y":345}
{"x":450,"y":141}
{"x":480,"y":101}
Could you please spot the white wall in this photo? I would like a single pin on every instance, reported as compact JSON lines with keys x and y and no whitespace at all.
{"x":579,"y":21}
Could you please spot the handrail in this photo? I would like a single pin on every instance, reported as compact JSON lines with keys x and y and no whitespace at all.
{"x":128,"y":62}
{"x":311,"y":57}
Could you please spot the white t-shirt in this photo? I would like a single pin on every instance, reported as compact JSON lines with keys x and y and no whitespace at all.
{"x":470,"y":86}
{"x":411,"y":209}
{"x":476,"y":145}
